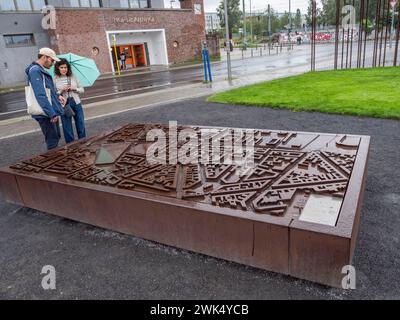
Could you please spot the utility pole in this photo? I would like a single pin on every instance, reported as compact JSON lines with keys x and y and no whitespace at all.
{"x":251,"y":24}
{"x":244,"y":21}
{"x":290,"y":21}
{"x":228,"y":42}
{"x":269,"y":20}
{"x":269,"y":28}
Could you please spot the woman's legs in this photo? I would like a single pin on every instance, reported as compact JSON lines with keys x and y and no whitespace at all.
{"x":67,"y":128}
{"x":79,"y":121}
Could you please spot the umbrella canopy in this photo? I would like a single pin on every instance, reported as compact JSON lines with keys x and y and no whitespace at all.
{"x":84,"y":69}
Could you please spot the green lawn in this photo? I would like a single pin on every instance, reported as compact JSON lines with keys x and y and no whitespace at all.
{"x":364,"y":92}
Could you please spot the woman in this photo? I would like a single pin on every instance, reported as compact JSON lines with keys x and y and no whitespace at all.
{"x":68,"y":86}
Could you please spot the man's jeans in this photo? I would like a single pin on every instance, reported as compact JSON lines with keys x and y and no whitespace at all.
{"x":51,"y":132}
{"x":79,"y":124}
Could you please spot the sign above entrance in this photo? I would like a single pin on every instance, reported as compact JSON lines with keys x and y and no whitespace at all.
{"x":134,"y":20}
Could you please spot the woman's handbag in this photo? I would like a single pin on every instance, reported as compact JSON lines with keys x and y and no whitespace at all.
{"x":68,"y":112}
{"x":34,"y":107}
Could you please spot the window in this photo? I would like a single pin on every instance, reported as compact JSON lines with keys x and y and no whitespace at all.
{"x":134,"y":3}
{"x":81,"y":3}
{"x":139,"y":4}
{"x":73,"y":3}
{"x":144,"y":4}
{"x":19,"y":40}
{"x":117,"y":4}
{"x":38,"y":4}
{"x":7,"y":5}
{"x":23,"y":5}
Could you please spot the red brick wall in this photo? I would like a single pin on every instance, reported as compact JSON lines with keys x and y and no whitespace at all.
{"x":80,"y":30}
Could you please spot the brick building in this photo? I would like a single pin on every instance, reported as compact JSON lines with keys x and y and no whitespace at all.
{"x":144,"y":31}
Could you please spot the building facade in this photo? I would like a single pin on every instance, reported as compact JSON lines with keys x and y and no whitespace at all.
{"x":213,"y":22}
{"x":142,"y":32}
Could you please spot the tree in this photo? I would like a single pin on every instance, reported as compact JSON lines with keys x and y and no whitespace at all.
{"x":284,"y":21}
{"x":328,"y":14}
{"x":309,"y":14}
{"x":234,"y":15}
{"x":297,"y":19}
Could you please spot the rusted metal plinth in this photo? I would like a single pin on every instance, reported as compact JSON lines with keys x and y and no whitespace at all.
{"x":255,"y":219}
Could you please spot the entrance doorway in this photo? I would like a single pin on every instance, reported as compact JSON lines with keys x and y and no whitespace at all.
{"x":144,"y":47}
{"x":140,"y":55}
{"x":134,"y":56}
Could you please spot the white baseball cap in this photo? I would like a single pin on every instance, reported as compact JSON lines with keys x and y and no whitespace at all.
{"x":49,"y":53}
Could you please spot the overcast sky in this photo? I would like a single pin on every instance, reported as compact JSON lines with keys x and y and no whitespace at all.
{"x":258,"y":5}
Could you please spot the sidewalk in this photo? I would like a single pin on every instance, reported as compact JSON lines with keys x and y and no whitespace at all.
{"x":124,"y":73}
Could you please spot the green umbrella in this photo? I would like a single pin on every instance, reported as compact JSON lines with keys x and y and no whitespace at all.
{"x":84,"y":69}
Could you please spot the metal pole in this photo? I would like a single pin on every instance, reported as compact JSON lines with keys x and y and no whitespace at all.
{"x":228,"y":43}
{"x":337,"y":34}
{"x":244,"y":21}
{"x":208,"y":65}
{"x":360,"y":33}
{"x":392,"y":26}
{"x":114,"y":40}
{"x":203,"y":54}
{"x":386,"y":32}
{"x":351,"y":43}
{"x":290,"y":21}
{"x":365,"y":34}
{"x":251,"y":25}
{"x":269,"y":29}
{"x":269,"y":19}
{"x":397,"y":43}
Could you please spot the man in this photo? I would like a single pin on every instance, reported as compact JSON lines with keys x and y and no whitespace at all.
{"x":40,"y":79}
{"x":123,"y":60}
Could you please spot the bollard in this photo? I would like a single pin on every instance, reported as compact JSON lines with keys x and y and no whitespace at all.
{"x":252,"y":52}
{"x":260,"y":52}
{"x":206,"y":64}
